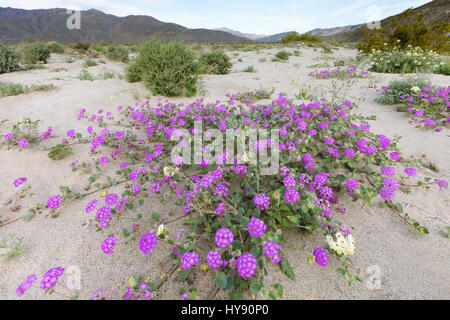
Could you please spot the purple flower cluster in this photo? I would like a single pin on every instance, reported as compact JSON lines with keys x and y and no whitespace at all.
{"x":24,"y":286}
{"x":108,"y":245}
{"x":54,"y":202}
{"x":103,"y":215}
{"x":351,"y":184}
{"x":188,"y":259}
{"x":321,"y":256}
{"x":291,"y":195}
{"x":388,"y":171}
{"x":22,"y":143}
{"x":256,"y":227}
{"x":19,"y":181}
{"x":148,"y":242}
{"x":50,"y":278}
{"x":224,"y":237}
{"x":273,"y":251}
{"x":111,"y":199}
{"x":261,"y":201}
{"x":91,"y":205}
{"x":246,"y":265}
{"x":214,"y":260}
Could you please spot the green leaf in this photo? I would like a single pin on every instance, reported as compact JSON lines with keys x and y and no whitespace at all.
{"x":221,"y":280}
{"x":287,"y":269}
{"x":126,"y":232}
{"x":341,"y":271}
{"x":183,"y":274}
{"x":28,"y":217}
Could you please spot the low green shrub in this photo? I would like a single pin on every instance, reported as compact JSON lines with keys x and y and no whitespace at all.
{"x":32,"y":53}
{"x":216,"y":62}
{"x":55,"y":47}
{"x":166,"y":68}
{"x":283,"y":55}
{"x":8,"y":59}
{"x":10,"y":89}
{"x":118,"y":53}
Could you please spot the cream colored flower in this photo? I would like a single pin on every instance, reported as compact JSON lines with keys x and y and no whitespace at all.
{"x":342,"y":245}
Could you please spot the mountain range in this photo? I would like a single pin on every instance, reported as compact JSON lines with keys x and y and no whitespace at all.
{"x":18,"y":25}
{"x":50,"y":24}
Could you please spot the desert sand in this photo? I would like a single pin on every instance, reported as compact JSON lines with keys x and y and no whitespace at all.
{"x":411,"y":266}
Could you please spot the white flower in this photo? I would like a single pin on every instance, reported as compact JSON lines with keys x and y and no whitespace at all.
{"x":342,"y":245}
{"x":415,"y":89}
{"x":169,"y":171}
{"x":160,"y":229}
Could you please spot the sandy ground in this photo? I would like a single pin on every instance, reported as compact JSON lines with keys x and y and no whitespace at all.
{"x":407,"y":265}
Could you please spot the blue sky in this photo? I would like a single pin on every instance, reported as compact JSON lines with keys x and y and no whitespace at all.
{"x":252,"y":16}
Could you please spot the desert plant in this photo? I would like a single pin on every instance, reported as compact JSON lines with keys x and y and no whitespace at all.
{"x":10,"y":89}
{"x":31,"y":53}
{"x":85,"y":75}
{"x":81,"y":46}
{"x":133,"y":72}
{"x":118,"y":53}
{"x":8,"y":59}
{"x":59,"y":151}
{"x":393,"y":59}
{"x":166,"y":68}
{"x":55,"y":47}
{"x":11,"y":248}
{"x":216,"y":62}
{"x":90,"y":63}
{"x":283,"y":55}
{"x":250,"y":69}
{"x":392,"y":93}
{"x":295,"y":37}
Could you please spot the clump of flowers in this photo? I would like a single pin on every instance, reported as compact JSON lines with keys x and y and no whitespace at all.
{"x":428,"y":106}
{"x":234,"y":212}
{"x":339,"y":73}
{"x":342,"y":245}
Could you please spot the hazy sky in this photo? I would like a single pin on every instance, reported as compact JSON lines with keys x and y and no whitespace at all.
{"x":252,"y":16}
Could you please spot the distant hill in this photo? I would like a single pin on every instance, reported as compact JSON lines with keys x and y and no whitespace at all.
{"x":332,"y":31}
{"x":250,"y":36}
{"x":50,"y":24}
{"x":436,"y":11}
{"x":273,"y":38}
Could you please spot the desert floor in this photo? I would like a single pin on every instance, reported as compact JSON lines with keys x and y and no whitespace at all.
{"x":410,"y":266}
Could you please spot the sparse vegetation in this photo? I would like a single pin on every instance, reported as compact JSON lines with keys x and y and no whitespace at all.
{"x":250,"y":69}
{"x":11,"y":248}
{"x":85,"y":75}
{"x":295,"y":37}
